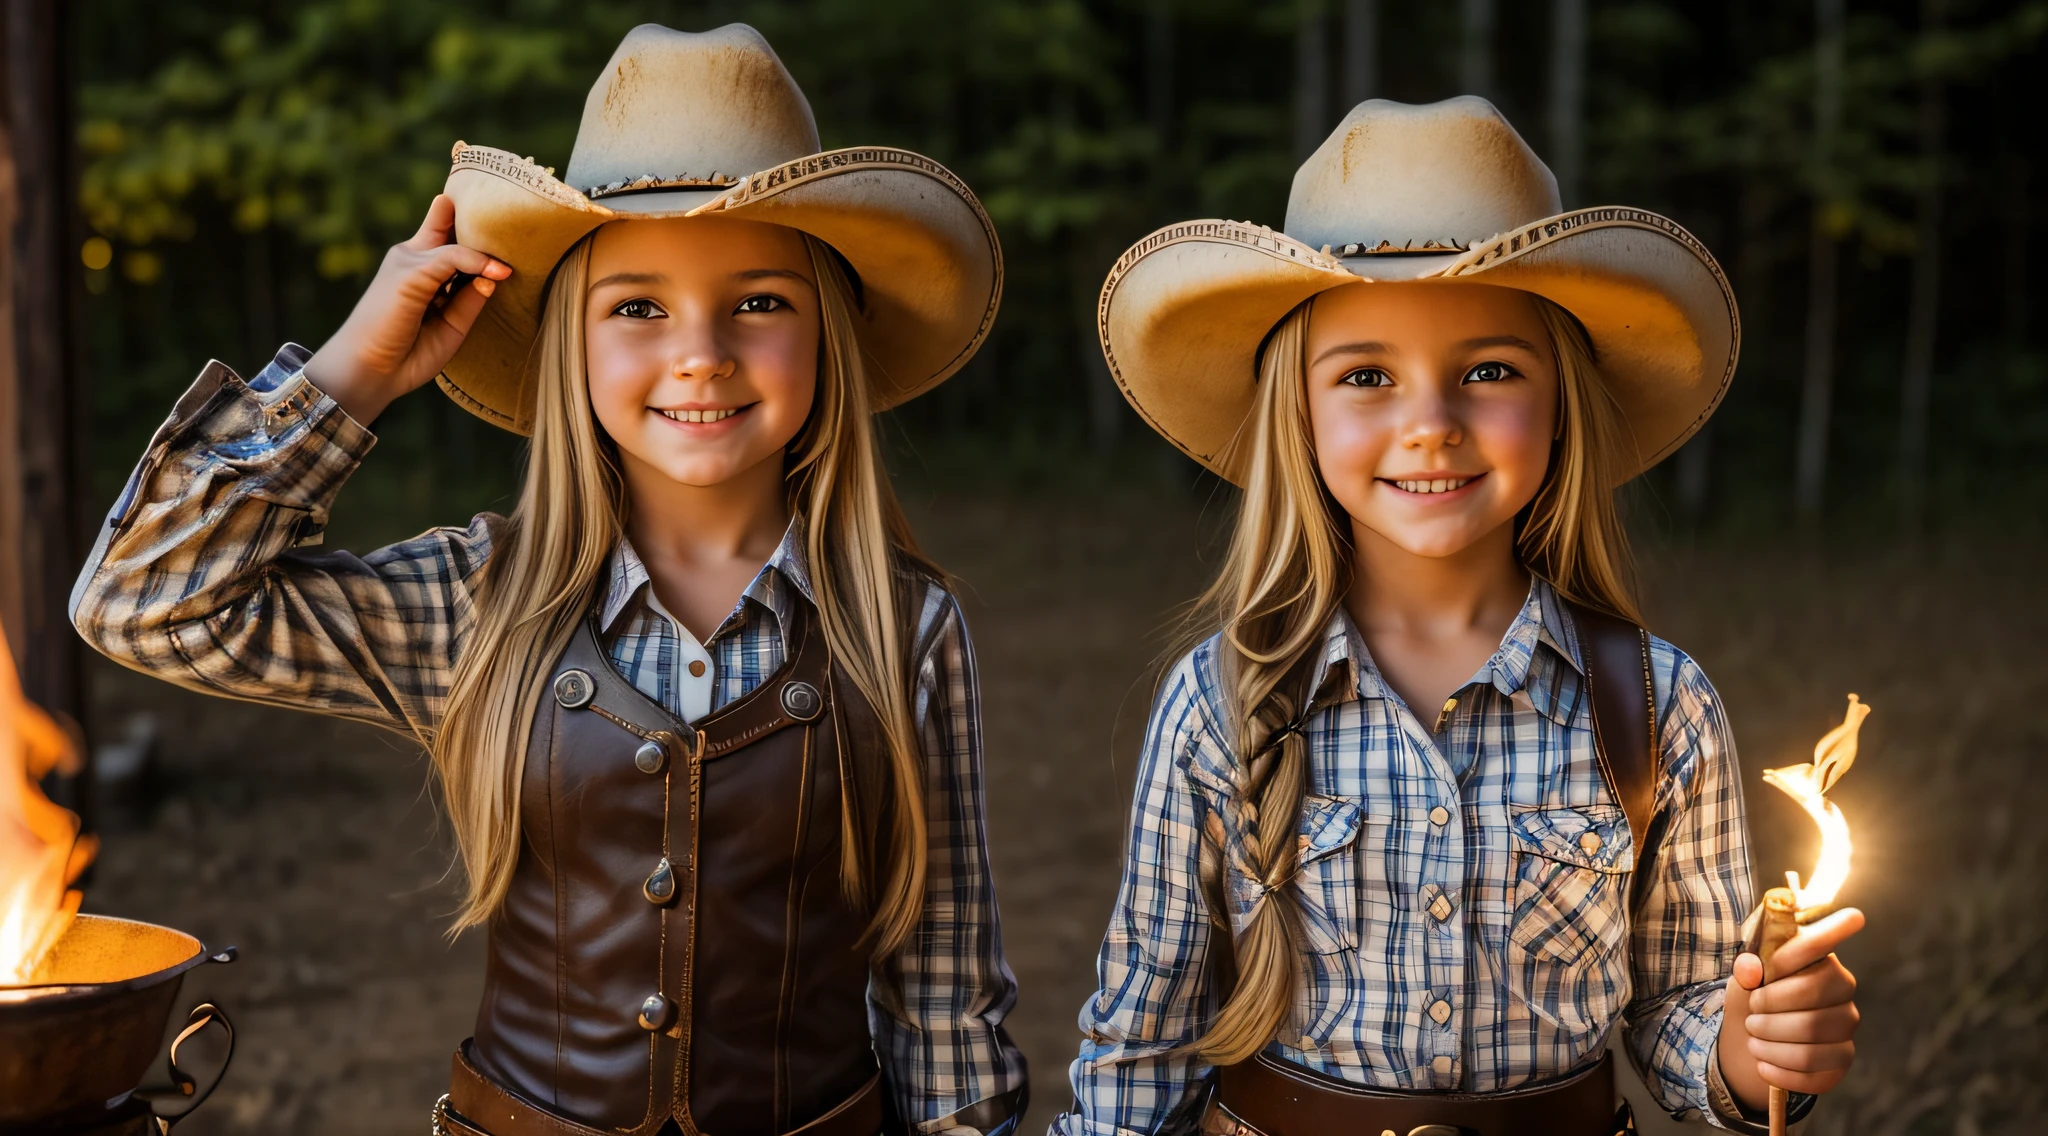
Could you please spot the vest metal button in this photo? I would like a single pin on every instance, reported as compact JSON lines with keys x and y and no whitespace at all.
{"x":656,"y":1013}
{"x":651,"y":757}
{"x":574,"y":689}
{"x":801,"y":700}
{"x":661,"y":883}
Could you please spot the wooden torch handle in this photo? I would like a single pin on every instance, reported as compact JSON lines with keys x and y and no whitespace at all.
{"x":1780,"y":923}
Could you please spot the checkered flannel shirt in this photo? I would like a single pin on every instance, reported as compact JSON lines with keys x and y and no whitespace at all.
{"x":203,"y":576}
{"x":1464,"y":889}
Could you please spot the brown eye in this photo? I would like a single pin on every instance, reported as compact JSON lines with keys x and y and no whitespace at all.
{"x":639,"y":309}
{"x":760,"y":304}
{"x":1368,"y":377}
{"x":1489,"y":373}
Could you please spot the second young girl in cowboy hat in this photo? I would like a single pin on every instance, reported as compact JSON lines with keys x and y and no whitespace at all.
{"x":1429,"y":815}
{"x":705,"y":721}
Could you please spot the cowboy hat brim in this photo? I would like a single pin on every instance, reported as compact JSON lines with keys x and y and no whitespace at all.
{"x":1184,"y":311}
{"x":929,"y":266}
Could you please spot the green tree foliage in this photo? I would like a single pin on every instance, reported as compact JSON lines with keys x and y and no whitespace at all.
{"x":247,"y":160}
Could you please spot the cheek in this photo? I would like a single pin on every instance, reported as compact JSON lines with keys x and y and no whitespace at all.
{"x":1514,"y":436}
{"x":1349,"y":442}
{"x":621,"y":376}
{"x":783,"y":372}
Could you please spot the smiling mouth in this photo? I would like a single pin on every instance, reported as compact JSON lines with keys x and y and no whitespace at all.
{"x":718,"y":415}
{"x":1432,"y":485}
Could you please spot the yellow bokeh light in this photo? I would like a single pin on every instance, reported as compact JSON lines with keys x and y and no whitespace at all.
{"x":97,"y":253}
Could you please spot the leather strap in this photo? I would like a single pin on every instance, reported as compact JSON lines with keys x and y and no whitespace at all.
{"x":1272,"y":1097}
{"x":1616,"y":654}
{"x":479,"y":1106}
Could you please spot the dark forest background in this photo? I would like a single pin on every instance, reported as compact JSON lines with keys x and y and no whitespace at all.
{"x":1868,"y":171}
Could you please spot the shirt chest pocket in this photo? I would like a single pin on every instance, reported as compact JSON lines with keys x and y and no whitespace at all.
{"x":1571,"y":884}
{"x":1327,"y":851}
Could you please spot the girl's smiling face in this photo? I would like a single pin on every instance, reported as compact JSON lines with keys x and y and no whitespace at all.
{"x":701,"y":343}
{"x":1433,"y":408}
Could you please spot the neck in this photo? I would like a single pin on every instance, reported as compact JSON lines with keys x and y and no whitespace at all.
{"x":740,"y":518}
{"x":1480,"y":587}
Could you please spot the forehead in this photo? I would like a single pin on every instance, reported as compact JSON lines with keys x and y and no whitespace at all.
{"x":689,"y":245}
{"x":1423,"y":314}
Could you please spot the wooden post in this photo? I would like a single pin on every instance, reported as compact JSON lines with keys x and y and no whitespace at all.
{"x":42,"y":471}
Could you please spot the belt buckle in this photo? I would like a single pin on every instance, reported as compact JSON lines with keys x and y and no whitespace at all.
{"x":440,"y":1116}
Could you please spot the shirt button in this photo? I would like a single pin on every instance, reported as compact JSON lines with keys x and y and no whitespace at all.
{"x":1441,"y":1066}
{"x":1590,"y":841}
{"x":1440,"y":908}
{"x":1308,"y":1044}
{"x":1439,"y":816}
{"x":696,"y":668}
{"x":1440,"y":1012}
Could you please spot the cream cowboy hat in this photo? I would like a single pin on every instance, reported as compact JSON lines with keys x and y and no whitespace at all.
{"x":683,"y":124}
{"x":1446,"y":191}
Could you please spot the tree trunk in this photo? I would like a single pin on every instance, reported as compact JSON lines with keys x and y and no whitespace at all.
{"x":1917,"y":376}
{"x":1361,"y":51}
{"x":1475,"y":51}
{"x":1816,"y":400}
{"x":1567,"y":96}
{"x":38,"y":379}
{"x":1311,"y":78}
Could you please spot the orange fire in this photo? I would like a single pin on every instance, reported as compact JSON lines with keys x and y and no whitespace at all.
{"x":1808,"y":785}
{"x":41,"y":852}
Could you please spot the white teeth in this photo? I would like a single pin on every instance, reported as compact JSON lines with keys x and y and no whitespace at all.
{"x":1437,"y":485}
{"x":699,"y":415}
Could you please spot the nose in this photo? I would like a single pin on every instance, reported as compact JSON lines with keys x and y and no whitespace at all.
{"x":1431,"y":421}
{"x":696,"y":350}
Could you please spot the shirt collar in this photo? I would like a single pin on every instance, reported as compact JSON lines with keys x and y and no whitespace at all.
{"x":1537,"y":658}
{"x":785,"y":569}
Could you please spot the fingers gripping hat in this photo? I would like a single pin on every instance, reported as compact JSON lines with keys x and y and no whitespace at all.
{"x":687,"y":124}
{"x":1445,"y":191}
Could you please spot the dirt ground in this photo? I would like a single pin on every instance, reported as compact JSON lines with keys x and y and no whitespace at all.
{"x":314,"y":846}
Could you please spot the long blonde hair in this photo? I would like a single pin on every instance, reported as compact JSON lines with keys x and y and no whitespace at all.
{"x":1283,"y":580}
{"x":548,"y":564}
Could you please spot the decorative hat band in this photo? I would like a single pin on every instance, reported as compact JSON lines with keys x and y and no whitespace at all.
{"x":656,"y":181}
{"x":1389,"y":248}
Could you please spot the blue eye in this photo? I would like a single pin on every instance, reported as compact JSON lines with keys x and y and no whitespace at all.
{"x":1368,"y":377}
{"x":761,"y":304}
{"x":1490,"y":373}
{"x":639,"y":309}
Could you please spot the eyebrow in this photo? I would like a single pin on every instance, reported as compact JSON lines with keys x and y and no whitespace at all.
{"x":766,"y":273}
{"x":631,"y":278}
{"x":1369,"y":347}
{"x":1499,"y":341}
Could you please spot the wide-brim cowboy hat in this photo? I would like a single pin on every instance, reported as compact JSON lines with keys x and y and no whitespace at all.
{"x":685,"y":124}
{"x":1442,"y":192}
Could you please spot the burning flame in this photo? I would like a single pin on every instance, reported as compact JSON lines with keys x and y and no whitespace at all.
{"x":41,"y":852}
{"x":1808,"y":784}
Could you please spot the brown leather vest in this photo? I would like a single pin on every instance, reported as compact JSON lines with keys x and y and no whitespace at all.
{"x":676,"y":942}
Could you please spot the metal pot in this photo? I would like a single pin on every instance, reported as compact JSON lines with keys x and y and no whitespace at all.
{"x":74,"y":1046}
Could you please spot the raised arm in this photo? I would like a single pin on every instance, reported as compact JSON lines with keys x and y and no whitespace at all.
{"x":196,"y":577}
{"x":939,"y":1030}
{"x":203,"y":574}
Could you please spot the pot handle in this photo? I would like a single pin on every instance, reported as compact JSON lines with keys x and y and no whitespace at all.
{"x":203,"y":1015}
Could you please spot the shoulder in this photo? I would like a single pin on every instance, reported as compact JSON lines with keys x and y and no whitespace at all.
{"x":933,"y":616}
{"x":1680,"y":684}
{"x":1692,"y":724}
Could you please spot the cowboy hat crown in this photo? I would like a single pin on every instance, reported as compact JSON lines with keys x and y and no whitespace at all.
{"x":1441,"y":192}
{"x":1403,"y":180}
{"x":648,"y":125}
{"x":684,"y":124}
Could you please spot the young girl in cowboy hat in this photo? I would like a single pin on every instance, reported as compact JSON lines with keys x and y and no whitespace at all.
{"x":1429,"y":814}
{"x":704,"y":718}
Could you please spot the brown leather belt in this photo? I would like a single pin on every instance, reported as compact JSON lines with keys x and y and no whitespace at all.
{"x":1269,"y":1097}
{"x":478,"y":1106}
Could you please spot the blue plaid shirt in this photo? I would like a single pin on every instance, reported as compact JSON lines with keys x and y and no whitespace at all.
{"x":1463,"y":889}
{"x":204,"y":575}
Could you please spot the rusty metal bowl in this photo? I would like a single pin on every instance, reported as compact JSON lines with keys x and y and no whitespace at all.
{"x":76,"y":1043}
